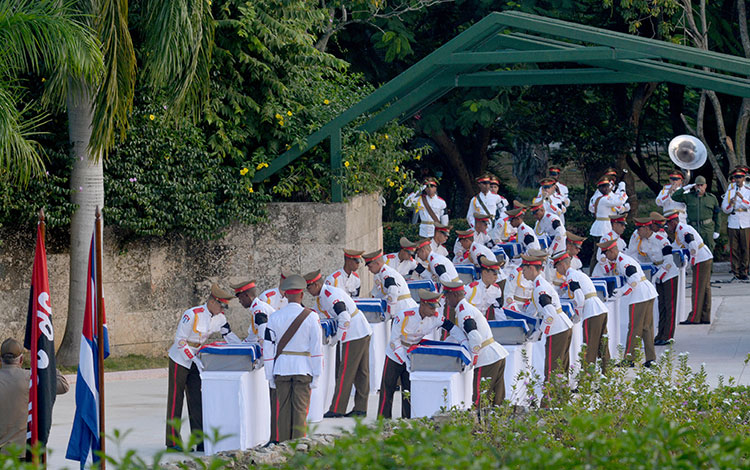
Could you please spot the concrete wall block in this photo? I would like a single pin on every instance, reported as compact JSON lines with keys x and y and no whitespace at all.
{"x":149,"y":283}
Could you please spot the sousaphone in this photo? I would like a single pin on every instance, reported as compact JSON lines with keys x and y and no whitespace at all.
{"x":688,"y":153}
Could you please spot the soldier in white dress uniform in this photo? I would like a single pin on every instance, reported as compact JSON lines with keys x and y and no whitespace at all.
{"x":195,"y":326}
{"x":347,"y":278}
{"x":471,"y":251}
{"x":389,"y":284}
{"x":736,"y":203}
{"x":486,"y":293}
{"x":488,"y":355}
{"x":573,"y":247}
{"x":274,"y":297}
{"x":410,"y":326}
{"x":555,"y":327}
{"x":604,"y":204}
{"x":664,"y":199}
{"x":701,"y":258}
{"x":428,"y":206}
{"x":403,"y":261}
{"x":293,"y":359}
{"x":485,"y":202}
{"x":439,"y":268}
{"x":589,"y":308}
{"x":353,"y":334}
{"x":639,"y":294}
{"x":438,"y":240}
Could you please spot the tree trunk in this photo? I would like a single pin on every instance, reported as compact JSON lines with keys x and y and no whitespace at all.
{"x":87,"y":182}
{"x":529,"y":163}
{"x":456,"y":161}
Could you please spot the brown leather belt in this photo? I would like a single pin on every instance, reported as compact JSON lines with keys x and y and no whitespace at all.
{"x":590,"y":295}
{"x":295,"y":353}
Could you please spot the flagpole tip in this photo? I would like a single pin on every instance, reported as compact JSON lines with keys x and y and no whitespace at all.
{"x":41,"y":214}
{"x":98,"y":213}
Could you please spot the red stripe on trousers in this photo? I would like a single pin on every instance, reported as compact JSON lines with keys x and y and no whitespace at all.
{"x":586,"y":331}
{"x":549,"y":356}
{"x":174,"y":397}
{"x":632,"y":330}
{"x":479,"y":378}
{"x":382,"y":387}
{"x":341,"y":378}
{"x":695,"y":292}
{"x":674,"y":304}
{"x":277,"y":415}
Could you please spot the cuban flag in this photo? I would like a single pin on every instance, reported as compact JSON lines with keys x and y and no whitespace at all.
{"x":40,"y":340}
{"x":84,"y":438}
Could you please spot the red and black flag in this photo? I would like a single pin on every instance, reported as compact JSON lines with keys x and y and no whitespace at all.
{"x":40,"y":341}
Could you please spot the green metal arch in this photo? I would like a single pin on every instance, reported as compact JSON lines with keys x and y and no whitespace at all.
{"x":604,"y":57}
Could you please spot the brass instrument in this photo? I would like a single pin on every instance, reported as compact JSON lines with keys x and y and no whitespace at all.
{"x":688,"y":153}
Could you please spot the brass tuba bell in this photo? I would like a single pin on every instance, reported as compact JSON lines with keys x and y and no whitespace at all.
{"x":687,"y":152}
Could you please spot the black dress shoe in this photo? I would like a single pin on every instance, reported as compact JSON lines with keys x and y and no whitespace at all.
{"x":660,"y":342}
{"x":689,"y":323}
{"x":354,"y":413}
{"x":270,"y":443}
{"x":704,"y":322}
{"x":331,"y":414}
{"x":648,"y":363}
{"x":199,"y":448}
{"x":174,"y":448}
{"x":625,"y":363}
{"x":743,"y":277}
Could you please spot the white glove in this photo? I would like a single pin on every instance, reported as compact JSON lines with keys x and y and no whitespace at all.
{"x":616,"y":293}
{"x":272,"y":384}
{"x":315,"y":381}
{"x":199,"y":364}
{"x":621,"y":186}
{"x":536,"y":335}
{"x":688,"y":187}
{"x":716,"y":235}
{"x":407,"y":363}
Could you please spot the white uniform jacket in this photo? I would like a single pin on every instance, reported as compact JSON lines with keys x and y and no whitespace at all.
{"x":196,"y":325}
{"x":480,"y":341}
{"x":552,"y":226}
{"x":687,"y":237}
{"x":527,"y":238}
{"x":427,"y":223}
{"x":405,"y":268}
{"x":303,"y":354}
{"x":605,"y":267}
{"x":665,"y":201}
{"x":409,"y":328}
{"x":273,"y":298}
{"x":736,"y":203}
{"x":260,"y":312}
{"x":503,"y":231}
{"x":439,"y":269}
{"x":391,"y":286}
{"x":576,"y":263}
{"x":660,"y":252}
{"x":439,"y":249}
{"x":518,"y":291}
{"x":636,"y":248}
{"x":637,"y":288}
{"x":548,"y":308}
{"x":579,"y":288}
{"x":611,"y":204}
{"x":484,"y":297}
{"x":336,"y":303}
{"x":349,"y":282}
{"x":493,"y":203}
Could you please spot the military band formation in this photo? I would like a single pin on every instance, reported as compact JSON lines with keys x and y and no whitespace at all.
{"x":531,"y":281}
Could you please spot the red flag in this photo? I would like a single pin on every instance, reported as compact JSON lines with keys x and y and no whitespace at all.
{"x":40,"y":340}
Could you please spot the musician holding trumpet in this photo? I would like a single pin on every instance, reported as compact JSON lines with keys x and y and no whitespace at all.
{"x":736,"y":203}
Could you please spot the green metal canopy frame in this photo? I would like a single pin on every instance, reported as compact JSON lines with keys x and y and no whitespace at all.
{"x":515,"y":37}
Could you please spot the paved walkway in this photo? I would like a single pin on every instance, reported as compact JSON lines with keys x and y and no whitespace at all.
{"x":136,"y":401}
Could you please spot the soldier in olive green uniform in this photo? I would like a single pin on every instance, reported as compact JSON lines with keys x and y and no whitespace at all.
{"x":702,"y":210}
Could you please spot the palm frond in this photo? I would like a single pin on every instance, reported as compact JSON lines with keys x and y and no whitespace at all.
{"x":179,"y":40}
{"x":114,"y":99}
{"x":20,"y":155}
{"x":46,"y":34}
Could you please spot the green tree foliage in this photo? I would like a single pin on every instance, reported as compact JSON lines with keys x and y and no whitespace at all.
{"x":162,"y":179}
{"x":272,"y":88}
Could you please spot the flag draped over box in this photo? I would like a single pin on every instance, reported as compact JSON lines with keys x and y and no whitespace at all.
{"x":85,"y":437}
{"x":40,"y":340}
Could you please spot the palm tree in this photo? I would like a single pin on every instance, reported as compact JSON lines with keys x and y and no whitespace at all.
{"x":38,"y":36}
{"x":178,"y":44}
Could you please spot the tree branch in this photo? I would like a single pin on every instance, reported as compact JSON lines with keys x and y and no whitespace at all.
{"x":456,"y":160}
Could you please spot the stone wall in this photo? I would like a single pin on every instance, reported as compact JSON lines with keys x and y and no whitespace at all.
{"x":149,"y":283}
